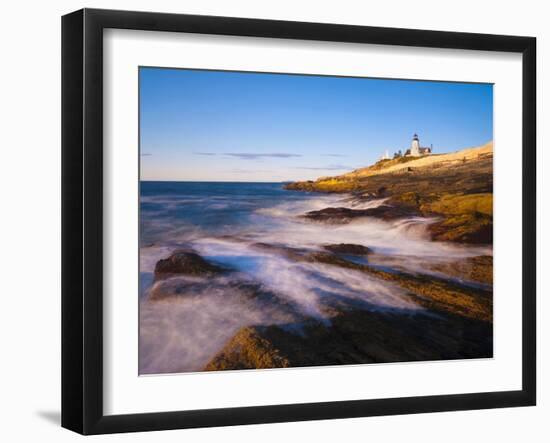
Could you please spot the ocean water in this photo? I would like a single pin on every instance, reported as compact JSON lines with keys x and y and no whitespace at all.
{"x":224,"y":222}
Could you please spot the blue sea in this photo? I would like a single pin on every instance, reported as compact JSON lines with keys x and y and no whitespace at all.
{"x":215,"y":207}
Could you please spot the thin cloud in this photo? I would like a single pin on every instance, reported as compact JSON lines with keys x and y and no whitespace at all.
{"x":146,"y":154}
{"x":253,"y":156}
{"x":205,"y":153}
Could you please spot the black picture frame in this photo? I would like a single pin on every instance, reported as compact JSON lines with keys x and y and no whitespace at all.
{"x":82,"y":220}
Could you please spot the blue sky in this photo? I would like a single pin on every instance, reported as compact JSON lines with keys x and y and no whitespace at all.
{"x":233,"y":126}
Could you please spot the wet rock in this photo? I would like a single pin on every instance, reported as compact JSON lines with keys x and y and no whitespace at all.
{"x":230,"y":288}
{"x":185,"y":262}
{"x":477,"y":269}
{"x":328,"y":258}
{"x":433,"y":293}
{"x":348,"y":248}
{"x":248,"y":349}
{"x":356,"y":337}
{"x":193,"y":286}
{"x":466,"y":228}
{"x":174,"y":287}
{"x":346,"y":215}
{"x":282,"y":250}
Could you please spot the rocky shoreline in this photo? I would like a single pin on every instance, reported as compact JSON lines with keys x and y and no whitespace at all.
{"x":457,"y":194}
{"x":450,"y":197}
{"x":456,"y":323}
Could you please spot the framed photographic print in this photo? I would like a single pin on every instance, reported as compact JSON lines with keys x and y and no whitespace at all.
{"x":269,"y":221}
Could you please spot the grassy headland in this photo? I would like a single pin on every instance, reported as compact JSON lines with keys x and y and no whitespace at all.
{"x":455,"y":188}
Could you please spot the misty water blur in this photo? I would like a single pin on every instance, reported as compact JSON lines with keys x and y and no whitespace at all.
{"x":224,"y":222}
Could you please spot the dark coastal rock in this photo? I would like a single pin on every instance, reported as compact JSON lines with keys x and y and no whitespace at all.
{"x":185,"y":262}
{"x":284,"y":251}
{"x":474,"y":228}
{"x":476,"y":269}
{"x":433,"y":293}
{"x":328,"y":258}
{"x":348,"y":248}
{"x":188,"y":287}
{"x":346,"y":215}
{"x":170,"y":288}
{"x":304,"y":255}
{"x":248,"y":349}
{"x":356,"y":337}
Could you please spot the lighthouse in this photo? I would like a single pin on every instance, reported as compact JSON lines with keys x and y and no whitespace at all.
{"x":415,"y":146}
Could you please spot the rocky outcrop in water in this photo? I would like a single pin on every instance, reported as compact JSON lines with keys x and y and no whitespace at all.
{"x":249,"y":349}
{"x":185,"y":262}
{"x":346,"y":215}
{"x":348,"y":248}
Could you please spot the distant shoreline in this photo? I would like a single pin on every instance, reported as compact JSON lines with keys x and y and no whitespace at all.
{"x":216,"y":181}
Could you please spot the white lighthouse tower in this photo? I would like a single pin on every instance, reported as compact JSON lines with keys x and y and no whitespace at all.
{"x":415,"y":146}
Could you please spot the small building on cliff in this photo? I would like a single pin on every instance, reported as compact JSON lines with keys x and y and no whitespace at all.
{"x":386,"y":156}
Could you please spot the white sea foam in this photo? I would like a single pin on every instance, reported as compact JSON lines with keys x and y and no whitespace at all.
{"x":183,"y":333}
